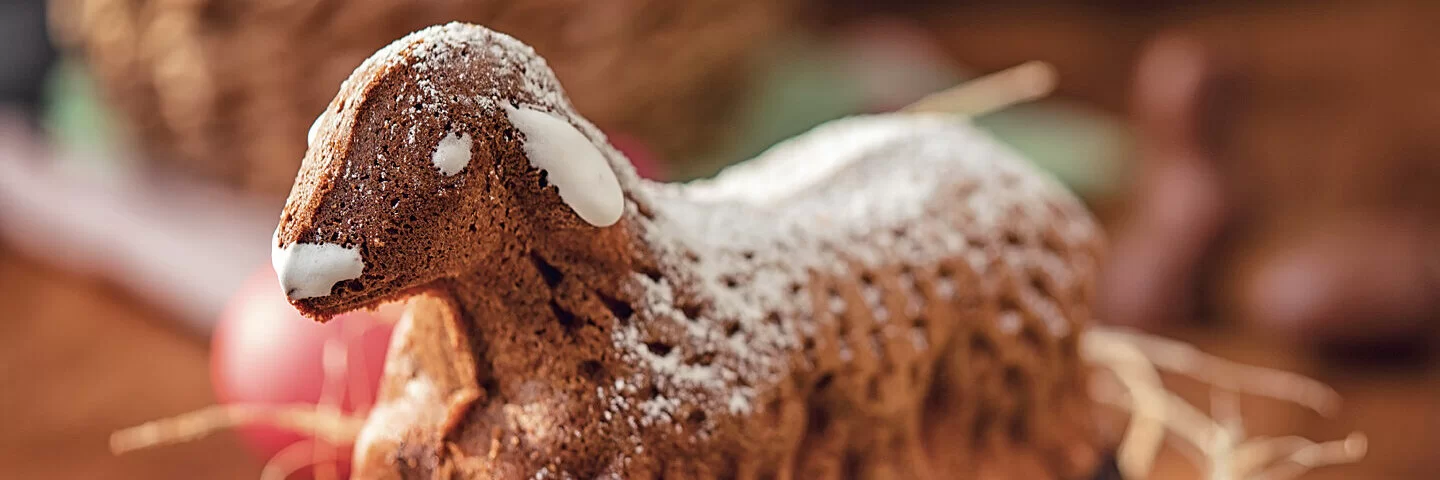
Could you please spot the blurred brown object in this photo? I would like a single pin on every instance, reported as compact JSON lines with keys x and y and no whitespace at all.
{"x":1288,"y":178}
{"x":79,"y":360}
{"x":1289,"y":174}
{"x":226,"y":89}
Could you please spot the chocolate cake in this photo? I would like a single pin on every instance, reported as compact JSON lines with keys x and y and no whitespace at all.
{"x":889,"y":296}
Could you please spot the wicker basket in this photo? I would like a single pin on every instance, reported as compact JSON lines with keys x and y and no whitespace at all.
{"x":226,"y":89}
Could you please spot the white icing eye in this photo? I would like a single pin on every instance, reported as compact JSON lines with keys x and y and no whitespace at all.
{"x":308,"y":270}
{"x":453,"y":153}
{"x":572,"y":163}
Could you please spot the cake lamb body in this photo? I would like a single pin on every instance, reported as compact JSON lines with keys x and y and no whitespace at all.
{"x":890,"y":296}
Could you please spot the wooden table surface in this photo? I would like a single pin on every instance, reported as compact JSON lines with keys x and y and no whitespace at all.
{"x":79,"y":360}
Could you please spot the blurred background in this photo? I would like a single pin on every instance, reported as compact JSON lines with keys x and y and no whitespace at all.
{"x":1269,"y":173}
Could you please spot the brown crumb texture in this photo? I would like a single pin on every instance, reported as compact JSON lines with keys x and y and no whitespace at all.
{"x":894,"y":296}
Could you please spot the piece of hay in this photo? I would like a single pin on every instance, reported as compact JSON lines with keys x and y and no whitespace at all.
{"x":1220,"y":451}
{"x":991,"y":93}
{"x":324,"y":422}
{"x":299,"y":455}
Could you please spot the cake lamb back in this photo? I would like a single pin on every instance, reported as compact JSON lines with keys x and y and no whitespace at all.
{"x":890,"y":296}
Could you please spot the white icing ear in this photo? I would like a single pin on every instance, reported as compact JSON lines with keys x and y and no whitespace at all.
{"x":314,"y":129}
{"x":453,"y":153}
{"x":308,"y":270}
{"x":572,"y":163}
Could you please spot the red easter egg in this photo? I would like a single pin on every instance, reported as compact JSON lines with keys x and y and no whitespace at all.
{"x":264,"y":352}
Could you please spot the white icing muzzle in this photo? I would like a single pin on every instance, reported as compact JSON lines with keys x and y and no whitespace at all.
{"x":308,"y":270}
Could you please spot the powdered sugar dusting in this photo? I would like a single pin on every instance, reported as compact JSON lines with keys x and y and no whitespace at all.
{"x":459,"y":51}
{"x":777,"y":175}
{"x":877,"y":191}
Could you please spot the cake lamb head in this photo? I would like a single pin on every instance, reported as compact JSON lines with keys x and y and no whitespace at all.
{"x":887,"y":296}
{"x":438,"y":152}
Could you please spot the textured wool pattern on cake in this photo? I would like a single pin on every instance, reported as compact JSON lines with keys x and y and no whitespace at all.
{"x":890,"y":296}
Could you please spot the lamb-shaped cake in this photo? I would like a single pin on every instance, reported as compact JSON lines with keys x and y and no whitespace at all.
{"x":889,"y":296}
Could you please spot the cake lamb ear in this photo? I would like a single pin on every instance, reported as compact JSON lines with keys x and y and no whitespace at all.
{"x":449,"y":144}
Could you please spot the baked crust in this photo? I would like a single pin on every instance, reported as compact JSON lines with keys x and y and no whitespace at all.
{"x":893,"y":296}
